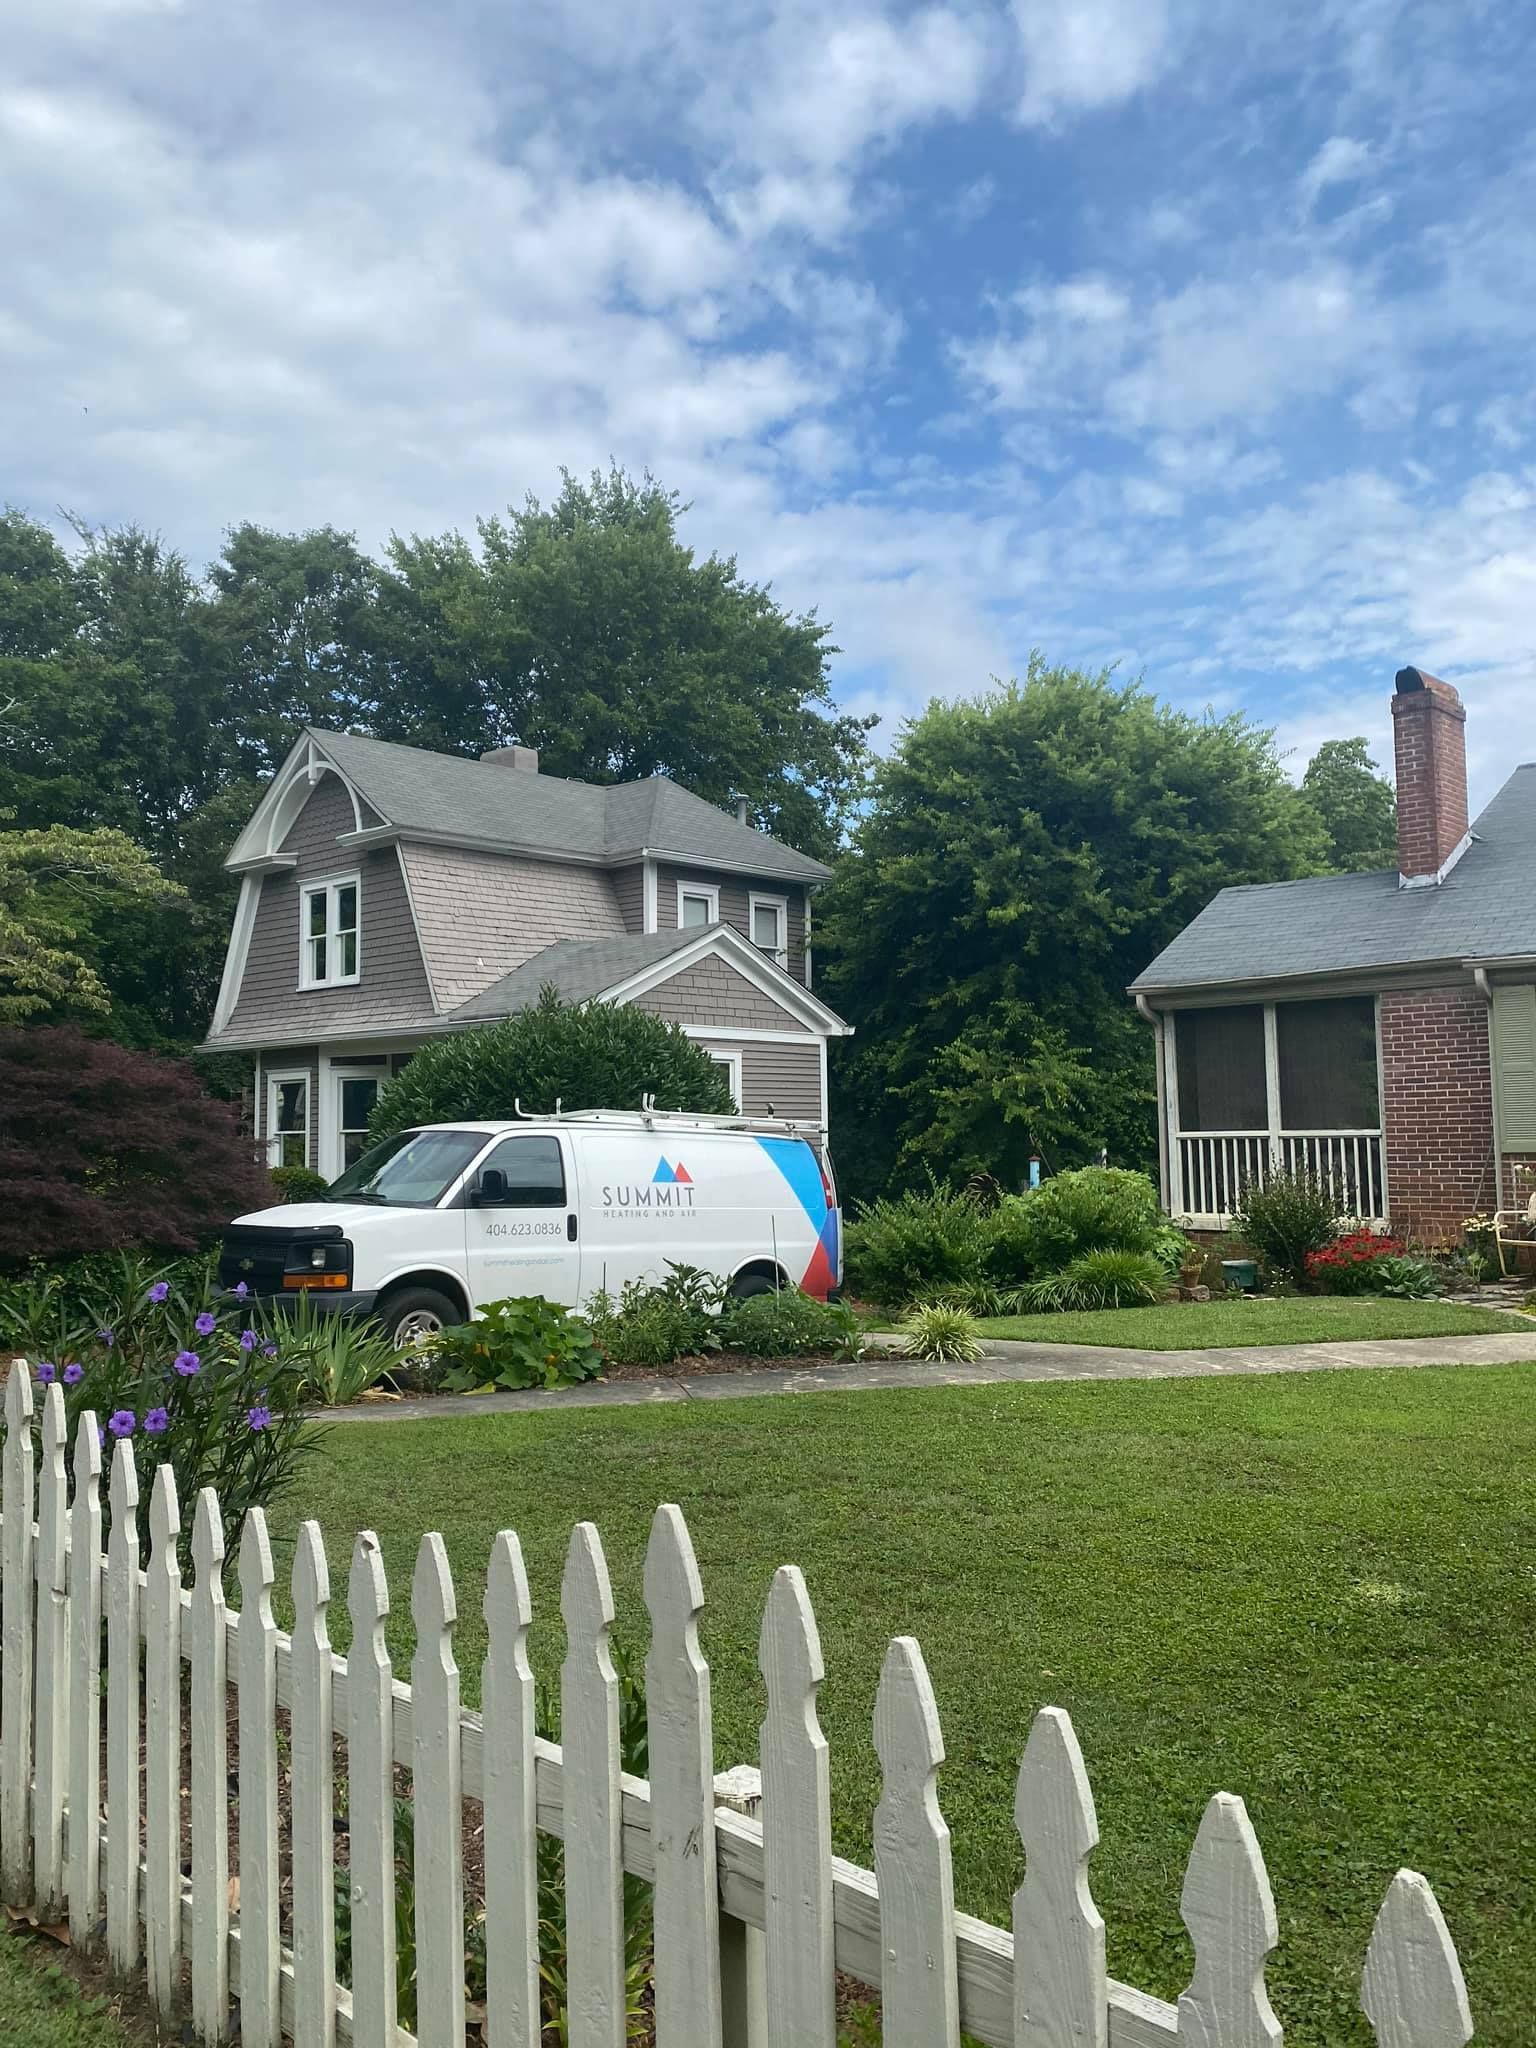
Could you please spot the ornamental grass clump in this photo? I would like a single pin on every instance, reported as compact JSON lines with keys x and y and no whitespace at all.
{"x":195,"y":1383}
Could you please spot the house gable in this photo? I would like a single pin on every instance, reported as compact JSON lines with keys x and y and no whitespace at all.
{"x":267,"y":1002}
{"x":711,"y":992}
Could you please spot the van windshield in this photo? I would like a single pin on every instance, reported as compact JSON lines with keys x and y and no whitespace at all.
{"x":411,"y":1170}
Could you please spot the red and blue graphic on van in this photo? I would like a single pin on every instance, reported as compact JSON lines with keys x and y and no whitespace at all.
{"x":799,"y":1166}
{"x":672,"y":1174}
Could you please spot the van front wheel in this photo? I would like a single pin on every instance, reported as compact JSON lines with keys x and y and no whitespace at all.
{"x":415,"y":1314}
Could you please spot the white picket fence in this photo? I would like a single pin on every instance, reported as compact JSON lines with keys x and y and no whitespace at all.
{"x":753,"y":1916}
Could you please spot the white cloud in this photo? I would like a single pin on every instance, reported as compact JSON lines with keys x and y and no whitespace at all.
{"x":1341,"y":160}
{"x":1084,"y":54}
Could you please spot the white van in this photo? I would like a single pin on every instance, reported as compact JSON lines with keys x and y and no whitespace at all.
{"x":430,"y":1224}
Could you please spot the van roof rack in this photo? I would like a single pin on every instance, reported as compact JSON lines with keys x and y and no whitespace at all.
{"x":648,"y":1117}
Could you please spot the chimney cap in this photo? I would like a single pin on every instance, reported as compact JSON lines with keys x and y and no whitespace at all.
{"x":524,"y":758}
{"x":1411,"y":679}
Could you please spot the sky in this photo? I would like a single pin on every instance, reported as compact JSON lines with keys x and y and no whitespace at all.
{"x":1186,"y":335}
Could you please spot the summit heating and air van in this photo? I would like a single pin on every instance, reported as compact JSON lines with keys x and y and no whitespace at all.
{"x":431,"y":1223}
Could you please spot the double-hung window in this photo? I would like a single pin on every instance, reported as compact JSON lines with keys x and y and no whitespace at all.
{"x":329,"y":932}
{"x":698,"y":903}
{"x":769,"y":926}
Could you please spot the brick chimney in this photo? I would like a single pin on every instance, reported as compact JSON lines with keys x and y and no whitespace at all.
{"x":527,"y":758}
{"x":1429,"y":728}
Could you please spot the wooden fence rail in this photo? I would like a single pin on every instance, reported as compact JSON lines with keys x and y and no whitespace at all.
{"x":200,"y":1944}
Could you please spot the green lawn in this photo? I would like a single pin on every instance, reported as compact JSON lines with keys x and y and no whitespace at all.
{"x":1318,"y":1591}
{"x":45,"y":2008}
{"x":1217,"y":1325}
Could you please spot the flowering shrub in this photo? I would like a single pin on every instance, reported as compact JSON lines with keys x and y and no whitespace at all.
{"x":1355,"y":1263}
{"x":195,"y":1383}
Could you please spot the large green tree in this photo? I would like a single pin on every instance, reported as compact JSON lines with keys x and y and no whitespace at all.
{"x":1024,"y":855}
{"x":1356,"y":805}
{"x":56,"y":886}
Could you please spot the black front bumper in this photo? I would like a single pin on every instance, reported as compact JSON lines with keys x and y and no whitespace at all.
{"x":337,"y":1301}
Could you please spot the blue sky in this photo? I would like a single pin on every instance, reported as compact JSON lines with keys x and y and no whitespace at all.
{"x":1174,"y":333}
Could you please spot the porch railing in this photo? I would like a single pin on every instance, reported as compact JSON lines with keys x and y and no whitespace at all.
{"x":1212,"y":1168}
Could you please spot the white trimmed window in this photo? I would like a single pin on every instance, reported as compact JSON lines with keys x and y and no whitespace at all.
{"x":731,"y":1062}
{"x":698,"y":903}
{"x":288,"y":1119}
{"x":768,"y":924}
{"x":330,"y":934}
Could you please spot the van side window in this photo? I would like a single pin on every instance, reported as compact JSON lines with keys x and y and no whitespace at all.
{"x":534,"y":1169}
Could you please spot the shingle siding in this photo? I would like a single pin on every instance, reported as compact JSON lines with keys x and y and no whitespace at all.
{"x":483,"y":914}
{"x":736,"y":892}
{"x":392,"y":988}
{"x":712,"y":993}
{"x":629,"y":894}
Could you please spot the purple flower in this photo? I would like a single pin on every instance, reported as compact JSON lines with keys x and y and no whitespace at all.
{"x":241,"y":1290}
{"x":157,"y":1422}
{"x":74,"y":1373}
{"x":247,"y":1340}
{"x":259,"y":1418}
{"x":101,"y":1436}
{"x":160,"y":1290}
{"x":206,"y":1323}
{"x":186,"y":1363}
{"x":47,"y":1373}
{"x":106,"y":1339}
{"x":269,"y":1351}
{"x":121,"y":1422}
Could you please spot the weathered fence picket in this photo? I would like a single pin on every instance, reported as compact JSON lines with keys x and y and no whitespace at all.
{"x":84,"y":1873}
{"x":797,"y":1824}
{"x":1060,"y":1986}
{"x":314,"y":1849}
{"x":20,"y":1567}
{"x":438,"y":1787}
{"x":714,"y":1872}
{"x":256,"y":1674}
{"x":919,"y":1983}
{"x":209,"y":1637}
{"x":371,"y":1799}
{"x":589,"y":1731}
{"x":124,"y":1778}
{"x":510,"y":1805}
{"x":51,"y":1713}
{"x":681,"y":1748}
{"x":162,"y":1744}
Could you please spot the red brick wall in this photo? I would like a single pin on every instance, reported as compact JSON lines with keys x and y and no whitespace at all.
{"x":1437,"y":1110}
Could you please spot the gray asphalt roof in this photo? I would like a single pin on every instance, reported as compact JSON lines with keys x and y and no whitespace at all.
{"x":493,"y":804}
{"x":576,"y":968}
{"x":1484,"y":909}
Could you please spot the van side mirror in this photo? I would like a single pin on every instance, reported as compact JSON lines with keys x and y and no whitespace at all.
{"x":491,"y":1190}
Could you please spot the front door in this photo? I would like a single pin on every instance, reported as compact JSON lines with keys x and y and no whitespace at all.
{"x":521,"y":1237}
{"x":288,"y":1119}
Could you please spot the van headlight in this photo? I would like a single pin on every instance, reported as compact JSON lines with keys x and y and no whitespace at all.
{"x":327,"y":1266}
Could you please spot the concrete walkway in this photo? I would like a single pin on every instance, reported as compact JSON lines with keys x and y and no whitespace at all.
{"x":1006,"y":1361}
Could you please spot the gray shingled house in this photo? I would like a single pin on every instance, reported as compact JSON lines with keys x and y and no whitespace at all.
{"x":389,"y":895}
{"x":1378,"y":1028}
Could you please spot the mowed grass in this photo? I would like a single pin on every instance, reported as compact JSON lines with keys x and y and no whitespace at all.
{"x":1317,"y":1591}
{"x":1217,"y":1325}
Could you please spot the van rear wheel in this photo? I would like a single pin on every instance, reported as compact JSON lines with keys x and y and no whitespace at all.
{"x":415,"y":1314}
{"x":745,"y":1285}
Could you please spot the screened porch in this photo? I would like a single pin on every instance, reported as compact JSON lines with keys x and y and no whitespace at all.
{"x":1255,"y":1088}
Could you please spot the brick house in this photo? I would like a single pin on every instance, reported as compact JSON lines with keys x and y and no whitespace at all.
{"x":389,"y":896}
{"x":1378,"y":1028}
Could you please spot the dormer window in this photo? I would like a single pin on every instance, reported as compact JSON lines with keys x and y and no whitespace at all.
{"x":329,"y":932}
{"x":698,"y":903}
